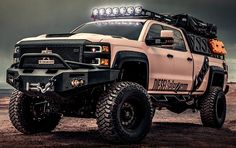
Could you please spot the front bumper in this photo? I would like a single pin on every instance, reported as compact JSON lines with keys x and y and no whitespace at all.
{"x":58,"y":80}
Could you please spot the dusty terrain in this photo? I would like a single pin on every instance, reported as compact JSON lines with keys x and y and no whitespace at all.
{"x":168,"y":130}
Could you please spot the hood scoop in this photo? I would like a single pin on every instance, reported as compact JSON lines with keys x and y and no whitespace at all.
{"x":59,"y":35}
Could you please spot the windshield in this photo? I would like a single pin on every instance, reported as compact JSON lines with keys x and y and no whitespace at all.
{"x":127,"y":29}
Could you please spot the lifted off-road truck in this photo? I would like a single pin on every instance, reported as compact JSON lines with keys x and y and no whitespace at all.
{"x":119,"y":69}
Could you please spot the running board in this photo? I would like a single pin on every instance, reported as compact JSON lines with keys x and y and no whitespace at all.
{"x":164,"y":100}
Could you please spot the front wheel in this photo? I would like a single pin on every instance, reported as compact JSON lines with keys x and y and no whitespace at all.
{"x":30,"y":116}
{"x":213,"y":108}
{"x":124,"y":113}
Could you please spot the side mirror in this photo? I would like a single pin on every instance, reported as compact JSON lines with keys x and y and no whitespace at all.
{"x":166,"y":38}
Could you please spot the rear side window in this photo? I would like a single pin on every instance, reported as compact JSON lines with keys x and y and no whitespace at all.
{"x":179,"y":43}
{"x":154,"y":31}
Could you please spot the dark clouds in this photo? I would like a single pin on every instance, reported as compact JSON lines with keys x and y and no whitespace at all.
{"x":24,"y":18}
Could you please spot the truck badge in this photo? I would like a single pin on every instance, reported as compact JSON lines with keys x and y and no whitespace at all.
{"x":46,"y":60}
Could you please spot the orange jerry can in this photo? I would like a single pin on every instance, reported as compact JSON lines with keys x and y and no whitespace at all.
{"x":217,"y":47}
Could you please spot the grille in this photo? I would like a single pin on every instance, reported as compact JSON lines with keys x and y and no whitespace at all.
{"x":68,"y":50}
{"x":67,"y":53}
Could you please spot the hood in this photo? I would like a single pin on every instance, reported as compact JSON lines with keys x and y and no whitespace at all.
{"x":114,"y":40}
{"x":85,"y":36}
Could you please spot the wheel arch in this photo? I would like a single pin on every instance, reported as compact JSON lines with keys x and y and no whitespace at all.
{"x":124,"y":57}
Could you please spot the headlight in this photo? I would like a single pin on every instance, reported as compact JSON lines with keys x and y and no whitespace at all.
{"x":16,"y":55}
{"x":97,"y":49}
{"x":98,"y":55}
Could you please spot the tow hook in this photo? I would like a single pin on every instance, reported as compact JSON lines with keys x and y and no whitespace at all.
{"x":47,"y":87}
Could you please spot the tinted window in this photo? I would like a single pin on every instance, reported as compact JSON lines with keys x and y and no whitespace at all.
{"x":129,"y":30}
{"x":179,"y":43}
{"x":154,"y":31}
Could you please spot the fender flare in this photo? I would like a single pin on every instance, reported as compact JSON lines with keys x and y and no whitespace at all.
{"x":128,"y":56}
{"x":215,"y":70}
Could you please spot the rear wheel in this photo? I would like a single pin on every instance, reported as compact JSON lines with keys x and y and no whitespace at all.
{"x":124,"y":113}
{"x":213,"y":108}
{"x":30,"y":116}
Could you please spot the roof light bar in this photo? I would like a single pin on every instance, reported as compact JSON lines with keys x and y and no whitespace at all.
{"x":116,"y":11}
{"x":129,"y":12}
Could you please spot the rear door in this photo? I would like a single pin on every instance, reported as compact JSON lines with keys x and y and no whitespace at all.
{"x":183,"y":62}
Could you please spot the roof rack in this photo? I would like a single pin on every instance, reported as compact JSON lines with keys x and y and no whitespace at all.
{"x":129,"y":12}
{"x":157,"y":16}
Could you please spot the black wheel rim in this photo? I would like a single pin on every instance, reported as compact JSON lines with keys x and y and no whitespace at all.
{"x":131,"y":113}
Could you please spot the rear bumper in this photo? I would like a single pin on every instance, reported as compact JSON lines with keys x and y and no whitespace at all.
{"x":59,"y":80}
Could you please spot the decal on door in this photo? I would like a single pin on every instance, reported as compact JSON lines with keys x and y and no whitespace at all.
{"x":168,"y":85}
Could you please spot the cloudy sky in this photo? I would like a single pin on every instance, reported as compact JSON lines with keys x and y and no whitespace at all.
{"x":25,"y":18}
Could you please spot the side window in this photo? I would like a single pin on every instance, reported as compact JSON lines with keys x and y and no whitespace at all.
{"x":154,"y":31}
{"x":179,"y":43}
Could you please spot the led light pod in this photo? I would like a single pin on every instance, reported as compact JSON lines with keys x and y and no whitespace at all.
{"x":130,"y":10}
{"x":102,"y":11}
{"x":108,"y":11}
{"x":95,"y":12}
{"x":116,"y":11}
{"x":138,"y":10}
{"x":123,"y":10}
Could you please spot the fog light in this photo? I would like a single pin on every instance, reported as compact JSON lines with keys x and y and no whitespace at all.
{"x":76,"y":82}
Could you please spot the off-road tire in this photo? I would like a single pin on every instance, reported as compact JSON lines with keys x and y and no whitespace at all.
{"x":213,"y":108}
{"x":111,"y":113}
{"x":21,"y":116}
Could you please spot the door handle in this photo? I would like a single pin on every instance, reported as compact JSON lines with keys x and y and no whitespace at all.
{"x":189,"y":59}
{"x":170,"y":56}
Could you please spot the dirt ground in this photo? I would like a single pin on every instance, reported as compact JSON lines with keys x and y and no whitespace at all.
{"x":168,"y":130}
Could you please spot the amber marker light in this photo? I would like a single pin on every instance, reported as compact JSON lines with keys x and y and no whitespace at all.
{"x":104,"y":62}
